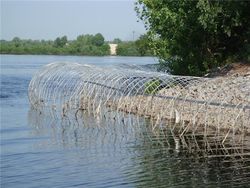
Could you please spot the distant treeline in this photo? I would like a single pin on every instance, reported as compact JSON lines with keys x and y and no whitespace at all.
{"x":91,"y":45}
{"x":83,"y":45}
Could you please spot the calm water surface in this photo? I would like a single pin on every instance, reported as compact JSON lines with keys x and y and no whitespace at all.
{"x":39,"y":151}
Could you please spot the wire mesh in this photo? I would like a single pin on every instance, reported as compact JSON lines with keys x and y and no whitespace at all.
{"x":217,"y":109}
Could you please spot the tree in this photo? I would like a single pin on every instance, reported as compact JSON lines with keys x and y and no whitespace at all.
{"x":127,"y":49}
{"x":60,"y":42}
{"x":17,"y":41}
{"x":117,"y":41}
{"x":191,"y":37}
{"x":142,"y":45}
{"x":98,"y":40}
{"x":64,"y":40}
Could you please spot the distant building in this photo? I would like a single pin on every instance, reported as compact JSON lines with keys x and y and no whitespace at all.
{"x":113,"y":49}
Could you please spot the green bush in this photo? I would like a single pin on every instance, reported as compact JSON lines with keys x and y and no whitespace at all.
{"x":152,"y":86}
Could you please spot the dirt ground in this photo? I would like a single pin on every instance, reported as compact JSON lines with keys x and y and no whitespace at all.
{"x":234,"y":69}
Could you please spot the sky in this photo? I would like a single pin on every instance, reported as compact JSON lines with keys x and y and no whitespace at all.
{"x":46,"y":19}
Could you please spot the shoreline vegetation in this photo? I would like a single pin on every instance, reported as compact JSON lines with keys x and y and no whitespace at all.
{"x":193,"y":37}
{"x":83,"y":45}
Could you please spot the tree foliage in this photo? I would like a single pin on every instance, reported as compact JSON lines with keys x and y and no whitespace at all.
{"x":60,"y":42}
{"x":127,"y":49}
{"x":84,"y":45}
{"x":117,"y":41}
{"x":98,"y":39}
{"x":192,"y":37}
{"x":140,"y":47}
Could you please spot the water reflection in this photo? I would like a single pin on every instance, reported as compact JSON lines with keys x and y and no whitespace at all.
{"x":82,"y":129}
{"x":148,"y":157}
{"x":159,"y":166}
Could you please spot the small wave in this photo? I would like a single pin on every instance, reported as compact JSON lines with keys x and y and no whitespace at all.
{"x":2,"y":96}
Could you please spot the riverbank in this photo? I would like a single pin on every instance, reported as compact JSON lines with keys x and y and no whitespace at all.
{"x":219,"y":105}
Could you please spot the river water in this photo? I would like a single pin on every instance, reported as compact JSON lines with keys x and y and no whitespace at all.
{"x":40,"y":151}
